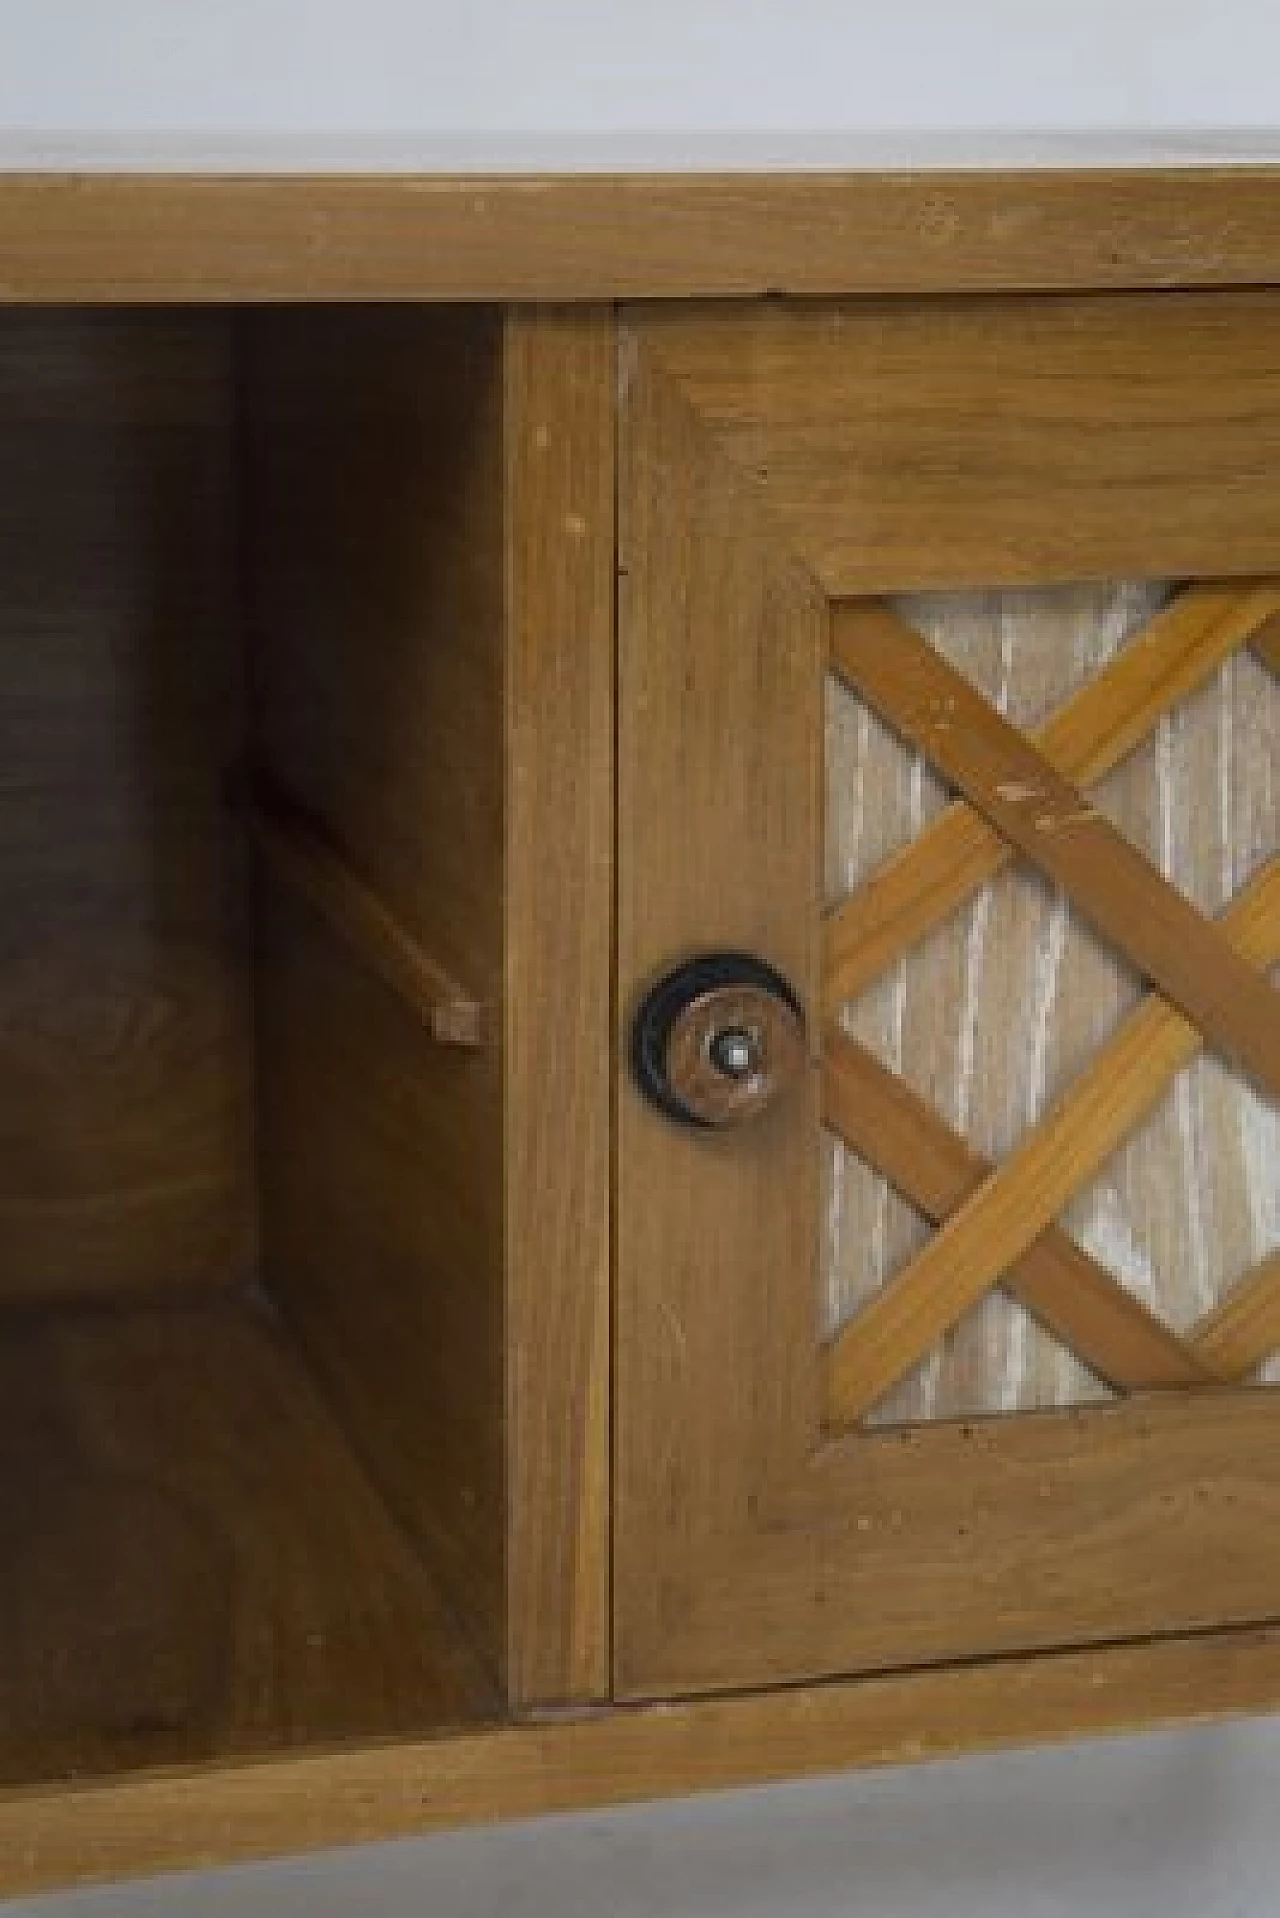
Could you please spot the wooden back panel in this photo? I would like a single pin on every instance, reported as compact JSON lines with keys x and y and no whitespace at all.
{"x":124,"y":1060}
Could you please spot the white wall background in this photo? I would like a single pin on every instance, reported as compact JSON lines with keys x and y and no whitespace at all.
{"x":1172,"y":1826}
{"x":575,"y":79}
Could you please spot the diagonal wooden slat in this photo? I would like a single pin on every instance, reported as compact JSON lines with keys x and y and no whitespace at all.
{"x":1266,"y":643}
{"x":1047,"y":818}
{"x":993,"y":1229}
{"x":887,"y":1124}
{"x":926,"y":882}
{"x":1245,"y":1328}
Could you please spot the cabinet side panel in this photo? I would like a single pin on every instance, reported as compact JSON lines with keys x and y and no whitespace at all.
{"x":125,"y":1163}
{"x":374,"y":444}
{"x":560,"y":436}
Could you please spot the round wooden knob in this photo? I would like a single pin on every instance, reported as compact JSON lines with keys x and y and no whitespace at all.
{"x":718,"y":1040}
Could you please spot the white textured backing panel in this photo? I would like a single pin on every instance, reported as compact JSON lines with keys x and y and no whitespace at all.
{"x":994,"y":1014}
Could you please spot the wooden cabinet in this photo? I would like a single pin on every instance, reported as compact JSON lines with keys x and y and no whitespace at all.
{"x":637,"y":1052}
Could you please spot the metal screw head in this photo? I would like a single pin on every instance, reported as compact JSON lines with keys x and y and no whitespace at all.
{"x":735,"y":1052}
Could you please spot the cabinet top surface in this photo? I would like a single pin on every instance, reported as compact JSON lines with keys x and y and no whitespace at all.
{"x":120,"y":232}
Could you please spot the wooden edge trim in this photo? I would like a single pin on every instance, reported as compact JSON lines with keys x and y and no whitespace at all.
{"x":88,"y":1833}
{"x":299,"y":855}
{"x":159,"y":236}
{"x":560,"y":382}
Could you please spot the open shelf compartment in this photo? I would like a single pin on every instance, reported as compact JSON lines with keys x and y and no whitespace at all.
{"x":254,"y":1464}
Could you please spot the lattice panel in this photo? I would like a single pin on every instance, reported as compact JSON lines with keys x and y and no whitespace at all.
{"x":975,"y":1018}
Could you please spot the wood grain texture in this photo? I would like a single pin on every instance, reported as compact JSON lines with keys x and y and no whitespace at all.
{"x":721,"y":654}
{"x":1245,"y":1328}
{"x":1009,"y":1210}
{"x":752,"y":1546}
{"x":299,"y":855}
{"x":878,"y":1116}
{"x":194,"y":1567}
{"x":560,"y":400}
{"x":904,"y":445}
{"x":182,"y":1820}
{"x":128,"y":237}
{"x":964,"y":1539}
{"x":1105,"y":720}
{"x":991,"y":1016}
{"x":777,"y":1054}
{"x":125,"y":1098}
{"x":374,"y":445}
{"x":1109,"y":881}
{"x":1267,"y":645}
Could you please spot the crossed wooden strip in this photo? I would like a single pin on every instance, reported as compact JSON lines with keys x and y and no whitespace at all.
{"x":1046,"y":817}
{"x":1266,"y":643}
{"x":880,"y":1117}
{"x":998,"y":1218}
{"x":1091,"y":734}
{"x":1006,"y":1213}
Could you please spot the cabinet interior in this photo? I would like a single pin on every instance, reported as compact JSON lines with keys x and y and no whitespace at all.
{"x":252,"y":1483}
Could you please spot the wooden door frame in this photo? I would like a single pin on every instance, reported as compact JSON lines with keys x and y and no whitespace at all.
{"x":752,"y":1545}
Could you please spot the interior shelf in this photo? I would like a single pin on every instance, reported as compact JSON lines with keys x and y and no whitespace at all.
{"x":194,"y":1564}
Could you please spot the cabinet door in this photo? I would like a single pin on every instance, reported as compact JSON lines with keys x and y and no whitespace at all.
{"x":947,"y":692}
